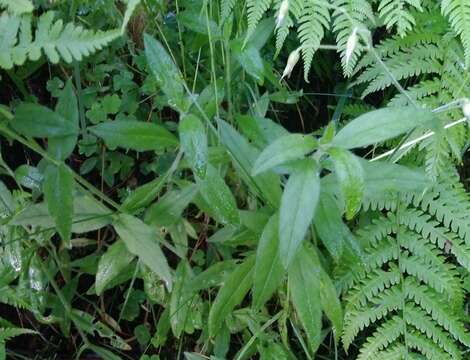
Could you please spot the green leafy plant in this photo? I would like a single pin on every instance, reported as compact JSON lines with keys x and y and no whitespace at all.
{"x":164,"y":193}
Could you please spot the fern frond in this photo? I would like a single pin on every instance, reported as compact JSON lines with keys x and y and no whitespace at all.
{"x":256,"y":10}
{"x":226,"y":8}
{"x":395,"y":13}
{"x":438,"y":310}
{"x":17,"y":7}
{"x":385,"y":335}
{"x":349,"y":14}
{"x":355,"y":321}
{"x":8,"y":333}
{"x":371,"y":286}
{"x":314,"y":20}
{"x":425,"y":346}
{"x":421,"y":321}
{"x":51,"y":37}
{"x":458,"y":12}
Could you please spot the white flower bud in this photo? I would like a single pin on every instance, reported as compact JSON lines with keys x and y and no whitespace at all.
{"x":351,"y":45}
{"x":283,"y":11}
{"x":466,"y":109}
{"x":293,"y":59}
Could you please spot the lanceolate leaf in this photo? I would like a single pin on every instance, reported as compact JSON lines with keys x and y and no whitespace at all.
{"x":268,"y":269}
{"x":231,"y":294}
{"x":88,"y":215}
{"x":350,"y":177}
{"x":169,"y":208}
{"x":193,"y":139}
{"x":219,"y":197}
{"x":284,"y":149}
{"x":166,"y":72}
{"x":58,"y":189}
{"x":143,"y":241}
{"x":304,"y":285}
{"x":180,"y":302}
{"x":380,"y":125}
{"x":67,"y":107}
{"x":266,"y":185}
{"x":38,"y":121}
{"x":297,"y":209}
{"x":135,"y":135}
{"x":111,"y":264}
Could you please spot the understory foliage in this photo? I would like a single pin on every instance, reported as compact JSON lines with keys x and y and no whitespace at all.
{"x":153,"y":204}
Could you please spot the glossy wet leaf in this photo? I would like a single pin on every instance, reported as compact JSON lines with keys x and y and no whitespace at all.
{"x":67,"y":107}
{"x":166,"y":72}
{"x":135,"y":135}
{"x":143,"y":241}
{"x":180,"y":301}
{"x":58,"y":190}
{"x":350,"y":175}
{"x":304,"y":284}
{"x":266,"y":185}
{"x":170,"y":207}
{"x":39,"y":121}
{"x":298,"y":205}
{"x":88,"y":215}
{"x":268,"y":271}
{"x":233,"y":291}
{"x":380,"y":125}
{"x":111,"y":264}
{"x":282,"y":150}
{"x":219,"y":197}
{"x":193,"y":139}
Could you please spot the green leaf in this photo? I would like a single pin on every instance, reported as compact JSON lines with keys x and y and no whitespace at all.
{"x":143,"y":241}
{"x":383,"y":177}
{"x":330,"y":302}
{"x":88,"y":215}
{"x":234,"y":290}
{"x":330,"y":226}
{"x":250,"y":59}
{"x":350,"y":177}
{"x":219,"y":197}
{"x":284,"y":149}
{"x":38,"y":121}
{"x":180,"y":301}
{"x":18,"y":7}
{"x":193,"y":139}
{"x":197,"y":22}
{"x":269,"y":271}
{"x":169,"y":208}
{"x":266,"y":185}
{"x":304,"y":285}
{"x":111,"y":264}
{"x":67,"y":107}
{"x":166,"y":73}
{"x":380,"y":125}
{"x":298,"y":204}
{"x":29,"y":177}
{"x":143,"y":195}
{"x":7,"y":204}
{"x":58,"y":192}
{"x":135,"y":135}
